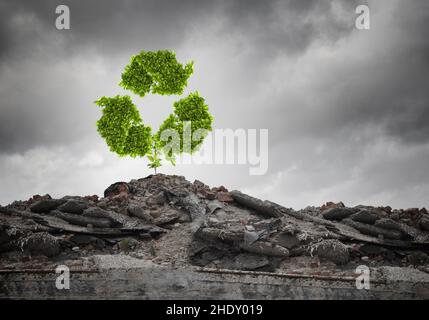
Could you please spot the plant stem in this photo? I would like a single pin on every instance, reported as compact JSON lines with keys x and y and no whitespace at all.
{"x":155,"y":154}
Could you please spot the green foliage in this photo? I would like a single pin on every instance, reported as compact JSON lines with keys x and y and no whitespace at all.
{"x":122,"y":127}
{"x":153,"y":156}
{"x":157,"y":72}
{"x":193,"y":109}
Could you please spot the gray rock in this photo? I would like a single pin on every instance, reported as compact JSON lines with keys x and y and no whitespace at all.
{"x":214,"y":205}
{"x":42,"y":243}
{"x":81,"y":220}
{"x":201,"y":256}
{"x":245,"y":261}
{"x":127,"y":244}
{"x":73,"y":206}
{"x":266,"y":208}
{"x":266,"y":249}
{"x":199,"y":185}
{"x":157,"y":199}
{"x":287,"y":240}
{"x":99,"y":213}
{"x":417,"y":258}
{"x":83,"y":239}
{"x":370,"y":249}
{"x":337,"y":213}
{"x":253,"y":236}
{"x":373,"y":230}
{"x":139,"y":212}
{"x":365,"y":216}
{"x":388,"y":224}
{"x":4,"y":236}
{"x":331,"y":250}
{"x":117,"y":188}
{"x":424,"y":223}
{"x":46,"y":205}
{"x":166,"y":217}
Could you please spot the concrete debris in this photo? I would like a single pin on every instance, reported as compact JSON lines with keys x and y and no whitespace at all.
{"x":373,"y":230}
{"x":45,"y":205}
{"x":262,"y":207}
{"x":41,"y":243}
{"x":74,"y":206}
{"x":80,"y":220}
{"x":139,"y":212}
{"x":337,"y":213}
{"x":331,"y":205}
{"x":365,"y":216}
{"x":332,"y":250}
{"x":170,"y":221}
{"x":424,"y":223}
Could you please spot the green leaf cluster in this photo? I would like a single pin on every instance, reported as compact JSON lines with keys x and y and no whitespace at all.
{"x":122,"y":127}
{"x":156,"y":72}
{"x":192,"y":109}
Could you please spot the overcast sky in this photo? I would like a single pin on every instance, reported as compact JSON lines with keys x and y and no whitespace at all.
{"x":347,"y":110}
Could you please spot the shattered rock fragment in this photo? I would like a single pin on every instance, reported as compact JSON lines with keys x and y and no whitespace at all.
{"x":417,"y":258}
{"x":83,"y":239}
{"x":424,"y":223}
{"x":252,"y":236}
{"x":372,"y":250}
{"x":266,"y":249}
{"x":225,"y":197}
{"x":365,"y":216}
{"x":214,"y":234}
{"x":263,"y":207}
{"x":166,"y":217}
{"x":388,"y":224}
{"x":331,"y":205}
{"x":373,"y":230}
{"x":139,"y":212}
{"x":337,"y":213}
{"x":81,"y":220}
{"x":157,"y":199}
{"x":4,"y":237}
{"x":118,"y":188}
{"x":46,"y":205}
{"x":332,"y":250}
{"x":200,"y":186}
{"x":246,"y":261}
{"x":73,"y":206}
{"x":41,"y":243}
{"x":99,"y":213}
{"x":288,"y":240}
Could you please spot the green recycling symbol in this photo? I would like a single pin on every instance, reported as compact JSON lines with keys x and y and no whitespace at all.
{"x":156,"y":72}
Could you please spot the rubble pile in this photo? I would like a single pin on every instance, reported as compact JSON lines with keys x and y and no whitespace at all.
{"x":170,"y":221}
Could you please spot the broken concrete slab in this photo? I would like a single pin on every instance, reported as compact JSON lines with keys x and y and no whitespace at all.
{"x":262,"y":207}
{"x":81,"y":220}
{"x":331,"y":250}
{"x":74,"y":206}
{"x":373,"y":230}
{"x":337,"y":213}
{"x":46,"y":205}
{"x":41,"y":243}
{"x":365,"y":216}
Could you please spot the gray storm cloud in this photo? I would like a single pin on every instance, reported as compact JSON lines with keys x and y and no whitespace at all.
{"x":347,"y":110}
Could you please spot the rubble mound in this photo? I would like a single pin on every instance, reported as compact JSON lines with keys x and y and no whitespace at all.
{"x":171,"y":221}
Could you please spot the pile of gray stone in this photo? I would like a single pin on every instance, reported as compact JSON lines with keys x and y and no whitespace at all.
{"x":160,"y":215}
